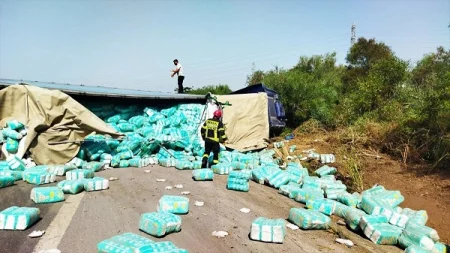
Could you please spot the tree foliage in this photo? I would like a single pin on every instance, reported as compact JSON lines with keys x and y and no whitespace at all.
{"x":220,"y":89}
{"x":366,"y":53}
{"x":255,"y":78}
{"x":308,"y":90}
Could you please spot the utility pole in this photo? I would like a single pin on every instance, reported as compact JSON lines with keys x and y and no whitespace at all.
{"x":353,"y":39}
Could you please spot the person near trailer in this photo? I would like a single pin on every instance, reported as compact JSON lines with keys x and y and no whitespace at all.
{"x":179,"y":72}
{"x":213,"y":133}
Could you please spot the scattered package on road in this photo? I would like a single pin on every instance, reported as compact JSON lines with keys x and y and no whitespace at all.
{"x":238,"y":181}
{"x":47,"y":194}
{"x":129,"y":242}
{"x":18,"y":218}
{"x":309,"y":219}
{"x":95,"y":184}
{"x":6,"y":181}
{"x":203,"y":175}
{"x":268,"y":230}
{"x":160,"y":223}
{"x":173,"y":204}
{"x":71,"y":186}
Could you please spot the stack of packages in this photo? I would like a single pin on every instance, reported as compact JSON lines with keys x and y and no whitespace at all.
{"x":376,"y":213}
{"x":16,"y":169}
{"x":11,"y":136}
{"x":46,"y":194}
{"x":296,"y":172}
{"x":222,"y":168}
{"x":129,"y":242}
{"x":160,"y":223}
{"x":323,"y":158}
{"x":165,"y":220}
{"x":77,"y":180}
{"x":268,"y":230}
{"x":238,"y":181}
{"x":11,"y":171}
{"x":18,"y":218}
{"x":203,"y":175}
{"x":173,"y":204}
{"x":418,"y":236}
{"x":263,"y":172}
{"x":309,"y":219}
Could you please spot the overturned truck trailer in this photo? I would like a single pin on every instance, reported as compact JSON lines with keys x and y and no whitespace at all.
{"x":63,"y":113}
{"x":68,"y":113}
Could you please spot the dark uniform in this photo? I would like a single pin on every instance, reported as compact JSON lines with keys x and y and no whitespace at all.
{"x":213,"y":133}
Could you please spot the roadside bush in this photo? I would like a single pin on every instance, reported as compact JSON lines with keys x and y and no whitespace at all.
{"x":310,"y":90}
{"x":377,"y":100}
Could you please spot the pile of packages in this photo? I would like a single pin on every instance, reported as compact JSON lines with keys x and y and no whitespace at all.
{"x":170,"y":137}
{"x":12,"y":135}
{"x":375,"y":212}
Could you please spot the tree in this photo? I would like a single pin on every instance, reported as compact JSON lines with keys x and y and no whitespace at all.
{"x":432,"y":78}
{"x":431,"y":68}
{"x":308,"y":90}
{"x":255,"y":78}
{"x":220,"y":89}
{"x":185,"y":89}
{"x":363,"y":55}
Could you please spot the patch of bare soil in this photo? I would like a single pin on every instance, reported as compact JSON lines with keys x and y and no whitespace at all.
{"x":422,"y":190}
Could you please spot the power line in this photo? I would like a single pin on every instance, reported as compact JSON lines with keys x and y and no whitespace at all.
{"x":228,"y":59}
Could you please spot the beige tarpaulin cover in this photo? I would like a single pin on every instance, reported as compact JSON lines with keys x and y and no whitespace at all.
{"x":49,"y":115}
{"x":246,"y":121}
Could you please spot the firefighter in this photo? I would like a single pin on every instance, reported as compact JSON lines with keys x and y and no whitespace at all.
{"x":213,"y":133}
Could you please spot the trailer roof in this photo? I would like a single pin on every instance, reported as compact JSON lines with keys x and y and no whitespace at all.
{"x":101,"y":91}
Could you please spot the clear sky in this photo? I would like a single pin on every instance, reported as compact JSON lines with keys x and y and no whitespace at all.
{"x":131,"y":44}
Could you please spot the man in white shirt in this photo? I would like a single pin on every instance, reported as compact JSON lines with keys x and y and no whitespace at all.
{"x":179,"y":71}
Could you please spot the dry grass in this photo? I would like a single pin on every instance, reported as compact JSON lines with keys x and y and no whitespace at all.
{"x":310,"y":127}
{"x":351,"y":167}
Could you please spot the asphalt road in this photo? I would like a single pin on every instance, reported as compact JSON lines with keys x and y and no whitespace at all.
{"x":82,"y":221}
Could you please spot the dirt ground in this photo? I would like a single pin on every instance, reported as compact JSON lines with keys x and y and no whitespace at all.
{"x":422,"y":190}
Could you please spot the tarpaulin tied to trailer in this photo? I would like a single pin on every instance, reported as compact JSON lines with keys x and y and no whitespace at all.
{"x":49,"y":116}
{"x":246,"y":121}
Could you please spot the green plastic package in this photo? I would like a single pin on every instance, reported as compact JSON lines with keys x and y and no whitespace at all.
{"x":47,"y":194}
{"x":18,"y":218}
{"x":173,"y":204}
{"x":159,"y":223}
{"x":309,"y":219}
{"x":71,"y":186}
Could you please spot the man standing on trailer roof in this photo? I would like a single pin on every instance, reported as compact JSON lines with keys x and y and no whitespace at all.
{"x":179,"y":71}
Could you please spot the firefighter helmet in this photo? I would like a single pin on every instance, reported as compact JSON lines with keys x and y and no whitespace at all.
{"x":217,"y":114}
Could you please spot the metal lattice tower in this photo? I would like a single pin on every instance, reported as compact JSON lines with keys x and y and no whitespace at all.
{"x":353,"y":39}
